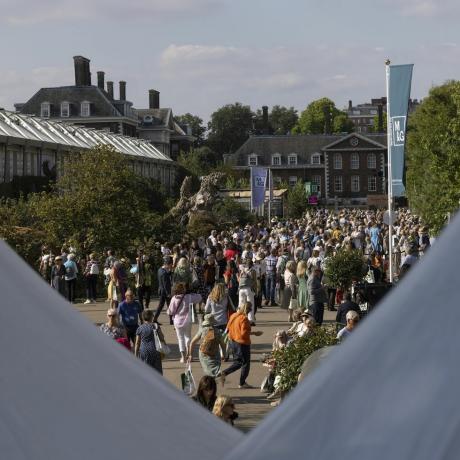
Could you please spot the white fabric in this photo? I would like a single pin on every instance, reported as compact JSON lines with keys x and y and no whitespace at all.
{"x":68,"y":391}
{"x":390,"y":391}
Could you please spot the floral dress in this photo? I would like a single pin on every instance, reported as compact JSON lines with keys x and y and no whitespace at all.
{"x":116,"y":332}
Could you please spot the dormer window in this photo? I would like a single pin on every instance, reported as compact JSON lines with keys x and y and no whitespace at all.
{"x":85,"y":109}
{"x":65,"y":109}
{"x":276,"y":159}
{"x":292,"y":159}
{"x":316,"y":159}
{"x":45,"y":110}
{"x":252,"y":160}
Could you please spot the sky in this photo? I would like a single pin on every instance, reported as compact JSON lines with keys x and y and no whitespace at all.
{"x":203,"y":54}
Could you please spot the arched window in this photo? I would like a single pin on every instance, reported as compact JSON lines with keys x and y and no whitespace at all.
{"x":252,"y":159}
{"x":45,"y":110}
{"x":337,"y":161}
{"x":65,"y":109}
{"x":292,"y":159}
{"x":276,"y":159}
{"x":316,"y":159}
{"x":85,"y":109}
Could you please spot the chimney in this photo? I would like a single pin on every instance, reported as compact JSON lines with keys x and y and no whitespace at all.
{"x":82,"y":73}
{"x":100,"y":79}
{"x":110,"y":88}
{"x":380,"y":118}
{"x":122,"y":91}
{"x":350,"y":105}
{"x":154,"y":99}
{"x":265,"y":127}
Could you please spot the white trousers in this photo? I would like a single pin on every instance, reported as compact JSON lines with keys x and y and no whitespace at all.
{"x":246,"y":295}
{"x":184,"y":334}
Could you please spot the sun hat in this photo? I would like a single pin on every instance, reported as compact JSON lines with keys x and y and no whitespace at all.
{"x":208,"y":320}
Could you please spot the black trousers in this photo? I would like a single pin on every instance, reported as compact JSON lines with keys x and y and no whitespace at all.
{"x":144,"y":293}
{"x":70,"y":285}
{"x":164,"y":299}
{"x":331,"y":292}
{"x":317,"y":310}
{"x":242,"y":355}
{"x":91,"y":283}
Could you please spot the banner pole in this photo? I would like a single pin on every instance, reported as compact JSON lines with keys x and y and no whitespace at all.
{"x":269,"y":197}
{"x":390,"y":176}
{"x":250,"y":180}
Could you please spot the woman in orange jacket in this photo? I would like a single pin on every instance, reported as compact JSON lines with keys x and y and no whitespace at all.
{"x":239,"y":332}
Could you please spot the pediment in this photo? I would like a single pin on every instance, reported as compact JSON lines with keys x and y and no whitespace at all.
{"x":354,"y":141}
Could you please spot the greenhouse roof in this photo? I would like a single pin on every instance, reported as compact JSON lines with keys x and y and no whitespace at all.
{"x":28,"y":128}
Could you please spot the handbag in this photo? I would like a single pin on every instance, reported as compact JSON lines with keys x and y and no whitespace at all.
{"x":188,"y":382}
{"x":160,"y":345}
{"x":293,"y":304}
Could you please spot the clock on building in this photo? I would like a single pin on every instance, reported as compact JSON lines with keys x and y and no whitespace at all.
{"x":354,"y":141}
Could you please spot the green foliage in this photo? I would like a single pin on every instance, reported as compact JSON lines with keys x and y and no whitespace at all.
{"x":296,"y":200}
{"x":201,"y":224}
{"x":23,"y":185}
{"x":313,"y":119}
{"x":289,"y":360}
{"x":230,"y":212}
{"x":433,"y":156}
{"x":344,"y":267}
{"x":229,"y":128}
{"x":198,"y":162}
{"x":283,"y":119}
{"x":375,"y":127}
{"x":196,"y":123}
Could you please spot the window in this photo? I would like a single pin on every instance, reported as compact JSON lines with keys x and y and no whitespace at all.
{"x":276,"y":159}
{"x":292,"y":181}
{"x":252,"y":160}
{"x":338,"y":185}
{"x":373,"y":112}
{"x":316,"y":159}
{"x":292,"y":159}
{"x":356,"y":112}
{"x":85,"y":109}
{"x":371,"y":184}
{"x":45,"y":110}
{"x":355,"y":183}
{"x":354,"y":161}
{"x":316,"y":183}
{"x":65,"y":109}
{"x":337,"y":161}
{"x":371,"y":161}
{"x":277,"y":180}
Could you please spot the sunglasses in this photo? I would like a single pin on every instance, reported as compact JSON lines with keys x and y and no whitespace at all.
{"x":110,"y":316}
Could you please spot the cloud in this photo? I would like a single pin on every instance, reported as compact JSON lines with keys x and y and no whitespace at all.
{"x":425,"y":8}
{"x":26,"y":12}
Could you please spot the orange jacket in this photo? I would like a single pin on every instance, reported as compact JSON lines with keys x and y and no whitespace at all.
{"x":239,"y":328}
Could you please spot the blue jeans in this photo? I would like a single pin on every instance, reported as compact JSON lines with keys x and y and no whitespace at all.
{"x":242,"y":354}
{"x":270,"y":286}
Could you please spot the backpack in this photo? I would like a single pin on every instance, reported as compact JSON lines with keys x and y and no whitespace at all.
{"x":208,"y":343}
{"x":70,"y":271}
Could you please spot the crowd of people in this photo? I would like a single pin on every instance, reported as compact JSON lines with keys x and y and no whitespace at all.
{"x":220,"y":281}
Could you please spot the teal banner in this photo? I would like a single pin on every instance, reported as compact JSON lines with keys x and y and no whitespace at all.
{"x":399,"y":84}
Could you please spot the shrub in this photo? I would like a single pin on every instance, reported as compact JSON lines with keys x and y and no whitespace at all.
{"x":289,"y":360}
{"x":344,"y":267}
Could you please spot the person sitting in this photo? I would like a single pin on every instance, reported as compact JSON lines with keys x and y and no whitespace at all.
{"x":352,"y":321}
{"x":206,"y":394}
{"x":344,"y":308}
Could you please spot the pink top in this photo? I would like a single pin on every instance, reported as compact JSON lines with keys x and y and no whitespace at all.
{"x":181,"y":311}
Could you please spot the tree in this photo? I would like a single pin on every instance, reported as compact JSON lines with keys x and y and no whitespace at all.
{"x":229,"y":128}
{"x":344,"y":267}
{"x":98,"y":202}
{"x":283,"y":119}
{"x":375,"y":127}
{"x":199,"y":161}
{"x":313,"y":119}
{"x":229,"y":212}
{"x":433,"y":155}
{"x":196,"y":123}
{"x":297,"y":200}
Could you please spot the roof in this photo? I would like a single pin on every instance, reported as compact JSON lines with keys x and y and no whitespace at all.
{"x":71,"y":392}
{"x":390,"y":391}
{"x":102,"y":104}
{"x":374,"y":140}
{"x":20,"y":128}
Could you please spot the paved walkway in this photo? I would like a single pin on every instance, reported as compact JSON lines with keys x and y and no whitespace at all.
{"x":251,"y":404}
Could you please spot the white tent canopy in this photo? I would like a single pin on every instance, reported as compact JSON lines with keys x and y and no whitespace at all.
{"x":391,"y":390}
{"x":67,"y":391}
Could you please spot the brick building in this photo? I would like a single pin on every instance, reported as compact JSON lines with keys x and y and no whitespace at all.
{"x":342,"y":168}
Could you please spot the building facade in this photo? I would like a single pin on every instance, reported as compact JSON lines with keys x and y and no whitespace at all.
{"x":343,"y":169}
{"x":95,"y":106}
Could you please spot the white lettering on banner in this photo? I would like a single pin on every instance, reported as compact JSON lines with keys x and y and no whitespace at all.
{"x":398,"y":128}
{"x":259,"y":181}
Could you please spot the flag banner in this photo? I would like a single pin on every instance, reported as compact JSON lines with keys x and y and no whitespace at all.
{"x":258,"y":184}
{"x":399,"y":84}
